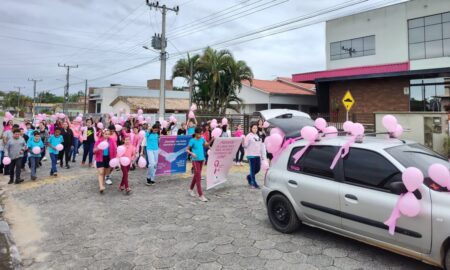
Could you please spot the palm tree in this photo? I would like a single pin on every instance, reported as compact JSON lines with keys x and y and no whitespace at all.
{"x":217,"y":77}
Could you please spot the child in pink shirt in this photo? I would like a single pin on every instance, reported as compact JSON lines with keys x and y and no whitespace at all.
{"x":130,"y":152}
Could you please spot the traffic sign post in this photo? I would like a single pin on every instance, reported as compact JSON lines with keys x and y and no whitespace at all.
{"x":348,"y":102}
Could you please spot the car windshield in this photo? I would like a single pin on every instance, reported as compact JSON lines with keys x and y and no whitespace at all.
{"x":421,"y":157}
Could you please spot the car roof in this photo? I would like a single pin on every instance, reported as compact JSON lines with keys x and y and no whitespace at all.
{"x":368,"y":142}
{"x":273,"y":113}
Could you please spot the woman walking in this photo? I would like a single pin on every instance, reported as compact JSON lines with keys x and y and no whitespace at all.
{"x":130,"y":152}
{"x":255,"y":151}
{"x":67,"y":135}
{"x":88,"y":143}
{"x":102,"y":158}
{"x":152,"y":142}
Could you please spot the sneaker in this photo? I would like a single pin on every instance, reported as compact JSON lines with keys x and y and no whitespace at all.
{"x":61,"y":165}
{"x":10,"y":182}
{"x":18,"y":181}
{"x":55,"y":174}
{"x":203,"y":198}
{"x":117,"y":169}
{"x":108,"y":180}
{"x":73,"y":160}
{"x":192,"y":192}
{"x":44,"y":159}
{"x":149,"y":182}
{"x":33,"y":178}
{"x":67,"y":166}
{"x":40,"y":164}
{"x":152,"y":182}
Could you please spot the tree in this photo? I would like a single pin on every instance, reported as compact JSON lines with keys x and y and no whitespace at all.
{"x":76,"y":97}
{"x":14,"y":100}
{"x":47,"y":97}
{"x":217,"y":77}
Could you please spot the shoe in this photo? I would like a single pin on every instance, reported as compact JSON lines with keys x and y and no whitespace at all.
{"x":10,"y":182}
{"x":149,"y":182}
{"x":108,"y":181}
{"x":61,"y":165}
{"x":51,"y":174}
{"x":203,"y":198}
{"x":248,"y":180}
{"x":18,"y":181}
{"x":67,"y":166}
{"x":55,"y":174}
{"x":73,"y":161}
{"x":83,"y":163}
{"x":40,"y":164}
{"x":117,"y":169}
{"x":128,"y":191}
{"x":90,"y":165}
{"x":44,"y":159}
{"x":33,"y":178}
{"x":121,"y":188}
{"x":192,"y":192}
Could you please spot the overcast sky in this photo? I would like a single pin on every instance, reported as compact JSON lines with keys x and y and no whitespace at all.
{"x":106,"y":36}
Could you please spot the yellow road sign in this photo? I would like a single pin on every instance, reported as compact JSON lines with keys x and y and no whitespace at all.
{"x":348,"y":100}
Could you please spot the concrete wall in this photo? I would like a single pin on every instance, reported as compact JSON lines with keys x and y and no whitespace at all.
{"x":414,"y":124}
{"x":389,"y":25}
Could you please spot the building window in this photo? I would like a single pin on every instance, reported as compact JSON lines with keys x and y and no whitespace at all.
{"x":429,"y":94}
{"x":98,"y":108}
{"x":429,"y":37}
{"x":350,"y":48}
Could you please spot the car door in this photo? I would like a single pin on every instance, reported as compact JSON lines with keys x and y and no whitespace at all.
{"x":367,"y":202}
{"x":313,"y":186}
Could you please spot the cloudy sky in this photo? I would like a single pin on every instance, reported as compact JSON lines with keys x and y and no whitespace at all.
{"x":105,"y":37}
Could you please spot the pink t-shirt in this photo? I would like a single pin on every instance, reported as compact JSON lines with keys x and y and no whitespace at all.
{"x":238,"y":133}
{"x":130,"y":152}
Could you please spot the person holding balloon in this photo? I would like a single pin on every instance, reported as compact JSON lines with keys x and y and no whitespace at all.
{"x":105,"y":149}
{"x":88,"y":142}
{"x":55,"y":146}
{"x":75,"y":126}
{"x":35,"y":147}
{"x":152,"y":148}
{"x":14,"y":149}
{"x":130,"y":155}
{"x":255,"y":152}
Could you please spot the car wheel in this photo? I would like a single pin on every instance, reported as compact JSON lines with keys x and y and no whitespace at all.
{"x":447,"y":259}
{"x":282,"y":214}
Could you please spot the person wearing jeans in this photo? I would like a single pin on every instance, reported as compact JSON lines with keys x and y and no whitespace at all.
{"x":88,"y":144}
{"x":35,"y":142}
{"x":196,"y":149}
{"x":75,"y":126}
{"x":54,"y":140}
{"x":152,"y":148}
{"x":255,"y":151}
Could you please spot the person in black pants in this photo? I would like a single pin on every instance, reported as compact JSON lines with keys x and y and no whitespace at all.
{"x":67,"y":135}
{"x":88,"y":144}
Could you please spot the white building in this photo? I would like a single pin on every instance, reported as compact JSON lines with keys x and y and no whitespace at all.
{"x":275,"y":94}
{"x":391,"y":58}
{"x":131,"y":98}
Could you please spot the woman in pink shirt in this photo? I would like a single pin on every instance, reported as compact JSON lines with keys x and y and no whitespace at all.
{"x":75,"y":126}
{"x":102,"y":158}
{"x":130,"y":152}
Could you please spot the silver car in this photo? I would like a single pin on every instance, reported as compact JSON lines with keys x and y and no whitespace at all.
{"x":358,"y":195}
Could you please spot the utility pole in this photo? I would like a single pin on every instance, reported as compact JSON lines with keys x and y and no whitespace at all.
{"x":85,"y":96}
{"x":34,"y":92}
{"x":66,"y":89}
{"x":18,"y":96}
{"x":163,"y":54}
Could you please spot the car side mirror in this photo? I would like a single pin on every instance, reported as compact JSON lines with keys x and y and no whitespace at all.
{"x":399,"y":188}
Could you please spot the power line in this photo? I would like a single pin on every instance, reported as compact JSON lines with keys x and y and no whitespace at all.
{"x":66,"y":91}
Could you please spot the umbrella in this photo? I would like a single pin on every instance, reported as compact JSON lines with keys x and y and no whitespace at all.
{"x":291,"y":126}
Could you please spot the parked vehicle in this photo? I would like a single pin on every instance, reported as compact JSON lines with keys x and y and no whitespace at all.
{"x":358,"y":195}
{"x":279,"y":113}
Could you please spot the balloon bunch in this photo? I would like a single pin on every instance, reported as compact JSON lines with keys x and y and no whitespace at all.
{"x":328,"y":131}
{"x":120,"y":159}
{"x":355,"y":130}
{"x":191,"y":114}
{"x":8,"y":116}
{"x":390,"y":123}
{"x":309,"y":134}
{"x":407,"y":204}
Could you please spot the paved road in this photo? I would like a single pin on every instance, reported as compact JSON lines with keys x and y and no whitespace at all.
{"x":63,"y":223}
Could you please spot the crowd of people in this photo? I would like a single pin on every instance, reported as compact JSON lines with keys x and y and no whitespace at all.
{"x":130,"y":137}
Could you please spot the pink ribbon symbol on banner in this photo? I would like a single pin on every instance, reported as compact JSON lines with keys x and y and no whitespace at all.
{"x":216,"y":166}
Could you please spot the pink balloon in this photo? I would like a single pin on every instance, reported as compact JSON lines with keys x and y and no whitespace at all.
{"x":164,"y":124}
{"x":409,"y":205}
{"x":111,"y":114}
{"x":277,"y":131}
{"x":347,"y":126}
{"x":140,"y":112}
{"x":191,"y":115}
{"x":142,"y":134}
{"x":440,"y":174}
{"x":142,"y":162}
{"x":266,"y":124}
{"x":148,"y":119}
{"x":61,"y":116}
{"x":265,"y":165}
{"x":214,"y":121}
{"x":224,"y":121}
{"x":216,"y":132}
{"x":398,"y":131}
{"x":121,"y":150}
{"x":140,"y":118}
{"x":273,"y":143}
{"x":357,"y":129}
{"x":193,"y":107}
{"x":309,"y":133}
{"x":172,"y":119}
{"x":412,"y":178}
{"x":103,"y":145}
{"x":114,"y":119}
{"x":59,"y":147}
{"x":213,"y":125}
{"x":332,"y":130}
{"x":114,"y":162}
{"x":6,"y":161}
{"x":124,"y":161}
{"x":54,"y":117}
{"x":8,"y":115}
{"x":100,"y":125}
{"x":78,"y":119}
{"x":118,"y":127}
{"x":320,"y":124}
{"x":36,"y":150}
{"x":390,"y":122}
{"x":121,"y":110}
